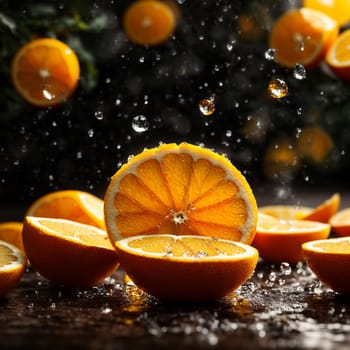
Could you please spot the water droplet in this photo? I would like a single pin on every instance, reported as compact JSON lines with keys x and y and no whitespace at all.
{"x":285,"y":269}
{"x":278,"y":88}
{"x":91,"y":132}
{"x":270,"y":54}
{"x":207,"y":106}
{"x":48,"y":95}
{"x":140,"y":123}
{"x":99,"y":115}
{"x":299,"y":72}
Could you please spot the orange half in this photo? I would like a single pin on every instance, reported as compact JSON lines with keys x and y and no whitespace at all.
{"x":45,"y":72}
{"x":281,"y":240}
{"x":180,"y":189}
{"x":190,"y":268}
{"x":329,"y":260}
{"x":302,"y":36}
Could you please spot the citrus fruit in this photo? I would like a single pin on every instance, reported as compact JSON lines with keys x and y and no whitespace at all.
{"x":314,"y":144}
{"x":338,"y":56}
{"x":180,"y":189}
{"x":339,"y":10}
{"x":325,"y":210}
{"x":45,"y":72}
{"x":285,"y":211}
{"x":12,"y":266}
{"x":149,"y":22}
{"x":302,"y":36}
{"x":74,"y":205}
{"x":280,"y":159}
{"x":329,"y":260}
{"x":11,"y":232}
{"x":340,"y":222}
{"x":191,"y":268}
{"x":67,"y":252}
{"x":280,"y":240}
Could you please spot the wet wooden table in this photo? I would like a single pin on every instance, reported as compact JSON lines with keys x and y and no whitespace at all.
{"x":280,"y":307}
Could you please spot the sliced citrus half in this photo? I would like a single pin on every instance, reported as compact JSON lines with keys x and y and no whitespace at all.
{"x":340,"y":222}
{"x":11,"y":232}
{"x":74,"y":205}
{"x":329,"y":260}
{"x":180,"y":189}
{"x":285,"y":211}
{"x":149,"y":22}
{"x":191,"y":268}
{"x":12,"y":266}
{"x":302,"y":36}
{"x":339,"y":10}
{"x":67,"y":252}
{"x":325,"y":210}
{"x":280,"y":240}
{"x":45,"y":72}
{"x":338,"y":56}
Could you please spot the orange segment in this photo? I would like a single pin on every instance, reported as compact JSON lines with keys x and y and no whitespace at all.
{"x":149,"y":22}
{"x":330,"y":261}
{"x":11,"y":232}
{"x":75,"y":205}
{"x":191,"y":268}
{"x":67,"y":252}
{"x":325,"y":210}
{"x":281,"y":240}
{"x":12,"y":266}
{"x":338,"y":56}
{"x":180,"y":189}
{"x":302,"y":36}
{"x":340,"y":222}
{"x":339,"y":10}
{"x":45,"y":72}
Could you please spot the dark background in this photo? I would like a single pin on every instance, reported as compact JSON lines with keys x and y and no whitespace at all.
{"x":218,"y":49}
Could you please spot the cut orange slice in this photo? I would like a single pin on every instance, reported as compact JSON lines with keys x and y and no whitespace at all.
{"x":74,"y":205}
{"x":339,"y":10}
{"x":280,"y":240}
{"x":149,"y":22}
{"x":340,"y":222}
{"x":180,"y":189}
{"x":325,"y":210}
{"x":285,"y":212}
{"x":11,"y":232}
{"x":338,"y":56}
{"x":45,"y":72}
{"x":302,"y":36}
{"x":329,"y":260}
{"x":12,"y":266}
{"x":190,"y":268}
{"x":67,"y":252}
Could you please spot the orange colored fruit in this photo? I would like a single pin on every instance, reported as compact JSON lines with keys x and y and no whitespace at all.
{"x":339,"y":10}
{"x":340,"y":222}
{"x":325,"y":210}
{"x":302,"y":36}
{"x":74,"y":205}
{"x":11,"y":232}
{"x":191,"y":268}
{"x":285,"y":212}
{"x":67,"y":252}
{"x":149,"y":22}
{"x":45,"y":72}
{"x":12,"y":266}
{"x":314,"y":144}
{"x":338,"y":56}
{"x":281,"y":240}
{"x":329,"y":260}
{"x":180,"y":189}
